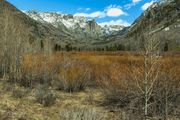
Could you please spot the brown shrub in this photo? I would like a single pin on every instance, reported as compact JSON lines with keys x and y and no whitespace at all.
{"x":73,"y":76}
{"x":117,"y":87}
{"x":45,"y":96}
{"x":37,"y":69}
{"x":122,"y":86}
{"x":167,"y":89}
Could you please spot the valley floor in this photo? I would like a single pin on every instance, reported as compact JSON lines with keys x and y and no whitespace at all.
{"x":18,"y":102}
{"x":27,"y":108}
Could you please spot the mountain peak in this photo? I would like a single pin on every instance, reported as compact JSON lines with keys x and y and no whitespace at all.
{"x":160,"y":21}
{"x":6,"y":5}
{"x":73,"y":22}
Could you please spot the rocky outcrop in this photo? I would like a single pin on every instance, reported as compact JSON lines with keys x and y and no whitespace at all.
{"x":17,"y":27}
{"x":75,"y":23}
{"x":160,"y":21}
{"x":54,"y":31}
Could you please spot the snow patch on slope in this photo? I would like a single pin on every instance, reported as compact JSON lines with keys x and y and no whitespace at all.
{"x":55,"y":19}
{"x":72,"y":22}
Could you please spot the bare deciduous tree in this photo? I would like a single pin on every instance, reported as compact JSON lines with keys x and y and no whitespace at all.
{"x":150,"y":70}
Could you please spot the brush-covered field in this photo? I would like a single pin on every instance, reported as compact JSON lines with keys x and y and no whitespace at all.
{"x":90,"y":86}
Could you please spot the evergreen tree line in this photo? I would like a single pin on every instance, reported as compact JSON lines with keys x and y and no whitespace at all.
{"x":115,"y":47}
{"x":69,"y":47}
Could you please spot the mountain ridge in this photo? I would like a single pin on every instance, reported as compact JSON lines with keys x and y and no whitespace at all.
{"x":160,"y":21}
{"x":73,"y":22}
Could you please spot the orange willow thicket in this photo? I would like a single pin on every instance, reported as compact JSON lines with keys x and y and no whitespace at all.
{"x":117,"y":66}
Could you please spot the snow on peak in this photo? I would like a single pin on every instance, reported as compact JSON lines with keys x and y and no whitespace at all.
{"x":113,"y":26}
{"x":56,"y":18}
{"x":72,"y":21}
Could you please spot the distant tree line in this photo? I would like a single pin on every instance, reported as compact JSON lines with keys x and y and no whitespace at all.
{"x":69,"y":47}
{"x":115,"y":47}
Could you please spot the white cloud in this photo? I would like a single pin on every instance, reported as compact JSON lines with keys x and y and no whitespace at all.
{"x":97,"y":14}
{"x":147,"y":5}
{"x":136,"y":1}
{"x":115,"y":22}
{"x":133,"y":3}
{"x":128,"y":6}
{"x":87,"y":9}
{"x":79,"y":9}
{"x":111,"y":11}
{"x":114,"y":11}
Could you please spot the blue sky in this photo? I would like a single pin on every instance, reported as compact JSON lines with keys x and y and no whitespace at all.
{"x":104,"y":11}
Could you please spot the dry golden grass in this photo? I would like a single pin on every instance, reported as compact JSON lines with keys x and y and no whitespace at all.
{"x":116,"y":67}
{"x":27,"y":108}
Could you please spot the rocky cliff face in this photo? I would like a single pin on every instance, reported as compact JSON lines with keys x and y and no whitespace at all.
{"x":46,"y":31}
{"x":160,"y":21}
{"x":74,"y":23}
{"x":50,"y":31}
{"x":33,"y":36}
{"x":83,"y":33}
{"x":18,"y":31}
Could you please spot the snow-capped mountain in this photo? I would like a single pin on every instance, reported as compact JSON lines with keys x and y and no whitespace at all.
{"x":56,"y":31}
{"x":55,"y":19}
{"x":110,"y":29}
{"x":72,"y":22}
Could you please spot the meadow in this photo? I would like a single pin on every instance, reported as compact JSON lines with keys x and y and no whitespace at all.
{"x":90,"y":86}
